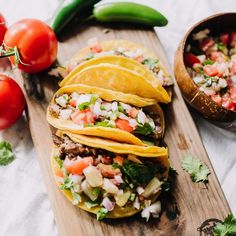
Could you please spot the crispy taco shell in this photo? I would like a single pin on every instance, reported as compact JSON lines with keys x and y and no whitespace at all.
{"x":160,"y":154}
{"x":119,"y":135}
{"x":126,"y":63}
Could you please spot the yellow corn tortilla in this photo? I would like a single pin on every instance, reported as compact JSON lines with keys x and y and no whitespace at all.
{"x":116,"y":78}
{"x":109,"y":45}
{"x":125,"y":63}
{"x":106,"y":132}
{"x":161,"y":154}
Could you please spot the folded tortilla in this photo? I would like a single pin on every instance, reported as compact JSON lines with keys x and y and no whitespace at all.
{"x":149,"y":107}
{"x":153,"y":154}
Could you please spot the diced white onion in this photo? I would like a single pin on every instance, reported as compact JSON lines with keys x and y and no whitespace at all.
{"x":123,"y":116}
{"x":93,"y":176}
{"x":141,"y":117}
{"x":109,"y":187}
{"x":125,"y":106}
{"x":136,"y":203}
{"x":62,"y":100}
{"x":77,"y":179}
{"x":108,"y":204}
{"x":118,"y":179}
{"x":65,"y":114}
{"x":133,"y":123}
{"x":114,"y":106}
{"x":198,"y":79}
{"x":139,"y":190}
{"x":83,"y":98}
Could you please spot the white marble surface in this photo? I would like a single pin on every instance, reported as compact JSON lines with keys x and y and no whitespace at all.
{"x":24,"y":206}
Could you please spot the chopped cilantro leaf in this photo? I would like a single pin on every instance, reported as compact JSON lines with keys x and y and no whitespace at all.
{"x":208,"y":62}
{"x":101,"y":214}
{"x":140,"y":173}
{"x":6,"y":154}
{"x":198,"y":171}
{"x":145,"y":129}
{"x":91,"y":204}
{"x":96,"y":191}
{"x":59,"y":161}
{"x":102,"y":108}
{"x":151,"y":63}
{"x":67,"y":185}
{"x":104,"y":124}
{"x":121,"y":109}
{"x":115,"y":165}
{"x":93,"y":99}
{"x":227,"y":228}
{"x":84,"y":105}
{"x":76,"y":197}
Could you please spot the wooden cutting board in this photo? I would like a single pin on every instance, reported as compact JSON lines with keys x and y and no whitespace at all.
{"x":191,"y":203}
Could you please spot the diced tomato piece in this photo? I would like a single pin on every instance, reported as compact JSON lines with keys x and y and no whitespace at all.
{"x":133,"y":112}
{"x":83,"y":117}
{"x":94,"y":45}
{"x":139,"y":58}
{"x":217,"y":98}
{"x":206,"y":44}
{"x":73,"y":103}
{"x":232,"y":92}
{"x":76,"y":167}
{"x":124,"y":125}
{"x":190,"y":59}
{"x":119,"y":160}
{"x":210,"y":70}
{"x":232,"y":40}
{"x":217,"y":56}
{"x":59,"y":173}
{"x":233,"y":68}
{"x":106,"y":160}
{"x":224,"y":38}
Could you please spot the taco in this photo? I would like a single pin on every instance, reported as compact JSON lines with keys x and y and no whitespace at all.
{"x":117,"y":78}
{"x":109,"y":179}
{"x":126,"y":49}
{"x":104,"y":113}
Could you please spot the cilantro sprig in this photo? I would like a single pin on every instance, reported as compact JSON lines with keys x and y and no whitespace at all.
{"x":227,"y":228}
{"x":6,"y":154}
{"x":198,"y":171}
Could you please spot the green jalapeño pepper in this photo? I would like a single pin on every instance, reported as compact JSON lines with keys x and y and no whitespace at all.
{"x":129,"y":12}
{"x":67,"y":10}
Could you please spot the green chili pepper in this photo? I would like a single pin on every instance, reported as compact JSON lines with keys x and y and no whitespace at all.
{"x":67,"y":10}
{"x":129,"y":12}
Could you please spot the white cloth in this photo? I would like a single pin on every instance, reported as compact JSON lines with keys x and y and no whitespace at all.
{"x":24,"y":207}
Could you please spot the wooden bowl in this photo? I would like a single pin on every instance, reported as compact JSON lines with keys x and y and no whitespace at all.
{"x":197,"y":99}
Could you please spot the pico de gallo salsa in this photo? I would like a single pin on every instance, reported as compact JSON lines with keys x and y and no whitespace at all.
{"x":211,"y":63}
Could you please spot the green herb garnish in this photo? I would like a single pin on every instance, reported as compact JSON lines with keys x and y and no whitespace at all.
{"x":227,"y":228}
{"x":96,"y":191}
{"x":115,"y":165}
{"x":208,"y":62}
{"x":221,"y":46}
{"x":145,"y":129}
{"x":76,"y":197}
{"x":91,"y":204}
{"x":151,"y":63}
{"x":104,"y":124}
{"x":67,"y":185}
{"x":6,"y":154}
{"x":59,"y":161}
{"x":198,"y":171}
{"x":140,"y":173}
{"x":102,"y":213}
{"x":84,"y":105}
{"x":121,"y":109}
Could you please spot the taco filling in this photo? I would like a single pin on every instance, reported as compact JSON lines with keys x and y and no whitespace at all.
{"x":107,"y":181}
{"x":138,"y":55}
{"x":89,"y":110}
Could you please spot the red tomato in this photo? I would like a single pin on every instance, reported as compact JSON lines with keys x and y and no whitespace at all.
{"x":210,"y":70}
{"x":133,"y":112}
{"x":12,"y":102}
{"x":227,"y":103}
{"x":94,"y":45}
{"x":224,"y":38}
{"x":216,"y":98}
{"x":59,"y":173}
{"x":73,"y":103}
{"x":217,"y":56}
{"x":206,"y":44}
{"x":233,"y":68}
{"x":124,"y":125}
{"x":77,"y":167}
{"x":83,"y":117}
{"x":36,"y":42}
{"x":232,"y":40}
{"x":190,"y":59}
{"x":3,"y":28}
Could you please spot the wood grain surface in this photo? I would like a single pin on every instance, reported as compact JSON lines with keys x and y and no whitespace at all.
{"x":190,"y":204}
